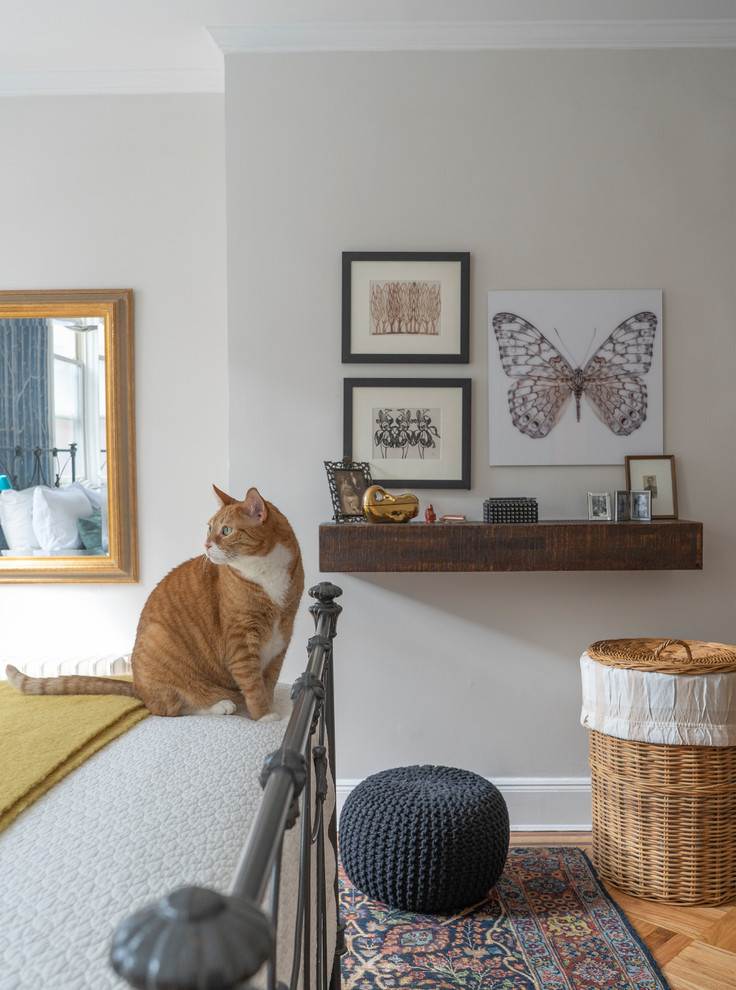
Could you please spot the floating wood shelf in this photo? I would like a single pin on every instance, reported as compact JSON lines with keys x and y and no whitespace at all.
{"x":566,"y":545}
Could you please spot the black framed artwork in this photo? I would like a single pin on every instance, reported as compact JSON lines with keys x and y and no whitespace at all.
{"x":412,"y":432}
{"x":406,"y":307}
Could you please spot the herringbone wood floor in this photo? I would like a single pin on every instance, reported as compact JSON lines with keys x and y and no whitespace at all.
{"x":694,"y":946}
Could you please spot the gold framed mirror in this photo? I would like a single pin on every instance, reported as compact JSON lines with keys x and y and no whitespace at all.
{"x":67,"y":437}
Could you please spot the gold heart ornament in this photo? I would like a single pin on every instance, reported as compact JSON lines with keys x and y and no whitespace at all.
{"x":380,"y":507}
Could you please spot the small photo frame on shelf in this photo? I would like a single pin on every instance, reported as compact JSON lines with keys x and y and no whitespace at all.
{"x":621,"y":506}
{"x":406,"y":307}
{"x":640,"y":506}
{"x":656,"y":474}
{"x":599,"y":505}
{"x":412,"y":432}
{"x":348,"y":481}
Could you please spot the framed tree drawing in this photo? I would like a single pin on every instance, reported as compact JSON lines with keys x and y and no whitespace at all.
{"x":405,"y":307}
{"x":575,"y":377}
{"x":412,"y":432}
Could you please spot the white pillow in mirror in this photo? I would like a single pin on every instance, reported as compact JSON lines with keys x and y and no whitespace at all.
{"x":92,"y":492}
{"x":16,"y":519}
{"x":55,"y":514}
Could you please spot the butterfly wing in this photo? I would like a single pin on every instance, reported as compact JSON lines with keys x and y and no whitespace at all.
{"x":611,"y":379}
{"x":545,"y":379}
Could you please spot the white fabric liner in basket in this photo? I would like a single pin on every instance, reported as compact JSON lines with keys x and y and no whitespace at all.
{"x":673,"y":709}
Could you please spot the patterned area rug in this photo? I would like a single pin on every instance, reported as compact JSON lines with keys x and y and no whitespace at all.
{"x":547,"y":925}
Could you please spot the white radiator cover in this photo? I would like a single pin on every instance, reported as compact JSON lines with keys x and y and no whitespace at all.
{"x":101,"y":665}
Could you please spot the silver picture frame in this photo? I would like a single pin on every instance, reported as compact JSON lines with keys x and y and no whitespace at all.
{"x":599,"y":506}
{"x":622,"y":505}
{"x":640,"y":506}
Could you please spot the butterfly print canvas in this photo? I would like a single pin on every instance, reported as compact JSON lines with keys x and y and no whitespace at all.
{"x":545,"y":381}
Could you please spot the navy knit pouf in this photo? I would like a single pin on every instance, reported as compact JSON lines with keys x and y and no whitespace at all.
{"x":424,"y":838}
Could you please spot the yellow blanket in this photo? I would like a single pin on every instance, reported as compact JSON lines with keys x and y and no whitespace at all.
{"x":44,"y":737}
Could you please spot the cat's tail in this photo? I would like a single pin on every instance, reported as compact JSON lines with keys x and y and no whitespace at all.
{"x":69,"y":684}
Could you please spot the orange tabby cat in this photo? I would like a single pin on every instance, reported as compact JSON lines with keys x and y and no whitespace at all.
{"x":214,"y":631}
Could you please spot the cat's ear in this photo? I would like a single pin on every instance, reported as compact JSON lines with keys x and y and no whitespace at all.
{"x":225,"y":499}
{"x":254,"y":507}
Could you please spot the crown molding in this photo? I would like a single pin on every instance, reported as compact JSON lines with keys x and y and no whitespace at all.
{"x":376,"y":36}
{"x":472,"y":35}
{"x":103,"y":82}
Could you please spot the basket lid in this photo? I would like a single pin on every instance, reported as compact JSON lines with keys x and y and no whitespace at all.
{"x":666,"y":656}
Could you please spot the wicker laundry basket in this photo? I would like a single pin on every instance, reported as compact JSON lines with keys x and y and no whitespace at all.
{"x":664,"y":816}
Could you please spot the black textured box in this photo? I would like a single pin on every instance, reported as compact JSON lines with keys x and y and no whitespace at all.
{"x":510,"y":510}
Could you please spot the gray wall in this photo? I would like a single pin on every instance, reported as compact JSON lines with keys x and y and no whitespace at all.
{"x":555,"y":170}
{"x":127,"y":192}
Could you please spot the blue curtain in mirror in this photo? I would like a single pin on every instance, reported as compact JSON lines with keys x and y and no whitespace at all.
{"x":25,"y":396}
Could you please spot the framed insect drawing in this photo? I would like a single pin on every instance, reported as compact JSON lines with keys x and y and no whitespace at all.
{"x":412,"y":432}
{"x":575,"y":377}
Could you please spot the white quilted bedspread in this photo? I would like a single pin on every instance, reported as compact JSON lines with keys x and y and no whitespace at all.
{"x":166,"y":805}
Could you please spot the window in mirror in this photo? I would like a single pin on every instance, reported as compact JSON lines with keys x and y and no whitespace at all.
{"x":78,"y":388}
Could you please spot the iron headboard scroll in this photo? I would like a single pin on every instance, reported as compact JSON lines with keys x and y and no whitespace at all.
{"x":200,"y":939}
{"x":8,"y":465}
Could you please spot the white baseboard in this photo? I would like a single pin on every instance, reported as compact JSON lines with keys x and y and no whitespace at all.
{"x":536,"y":804}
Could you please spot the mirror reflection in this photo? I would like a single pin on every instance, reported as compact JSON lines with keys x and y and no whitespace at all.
{"x":52,"y":428}
{"x":66,"y":442}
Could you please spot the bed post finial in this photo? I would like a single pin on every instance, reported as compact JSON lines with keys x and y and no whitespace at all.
{"x":193,"y":939}
{"x":325,"y":593}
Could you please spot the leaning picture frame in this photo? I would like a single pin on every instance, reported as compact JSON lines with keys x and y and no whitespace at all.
{"x":655,"y":473}
{"x":348,"y":481}
{"x":412,"y":432}
{"x":406,"y":307}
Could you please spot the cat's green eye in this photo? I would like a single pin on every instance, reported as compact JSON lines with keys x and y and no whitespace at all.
{"x":227,"y":530}
{"x":209,"y":529}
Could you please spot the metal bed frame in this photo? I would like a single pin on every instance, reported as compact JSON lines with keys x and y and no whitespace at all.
{"x":38,"y":477}
{"x":200,"y":939}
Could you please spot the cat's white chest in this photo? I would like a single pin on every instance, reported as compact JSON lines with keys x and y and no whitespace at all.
{"x":270,"y":571}
{"x":273,"y":646}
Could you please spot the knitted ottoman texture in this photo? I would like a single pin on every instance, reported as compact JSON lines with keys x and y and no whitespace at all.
{"x":424,"y":838}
